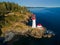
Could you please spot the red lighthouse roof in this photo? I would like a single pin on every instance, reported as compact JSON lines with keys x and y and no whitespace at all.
{"x":33,"y":17}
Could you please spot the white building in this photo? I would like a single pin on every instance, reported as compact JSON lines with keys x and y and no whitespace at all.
{"x":39,"y":26}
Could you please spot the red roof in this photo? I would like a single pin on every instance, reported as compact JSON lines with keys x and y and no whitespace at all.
{"x":33,"y":18}
{"x":39,"y":25}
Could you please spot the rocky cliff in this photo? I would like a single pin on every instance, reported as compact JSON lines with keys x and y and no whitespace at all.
{"x":14,"y":18}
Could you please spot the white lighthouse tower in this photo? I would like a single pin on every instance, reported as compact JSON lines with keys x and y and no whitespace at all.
{"x":33,"y":21}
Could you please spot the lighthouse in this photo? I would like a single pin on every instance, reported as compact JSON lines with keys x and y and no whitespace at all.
{"x":33,"y":21}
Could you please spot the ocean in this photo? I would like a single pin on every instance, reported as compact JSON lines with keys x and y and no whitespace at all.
{"x":49,"y":17}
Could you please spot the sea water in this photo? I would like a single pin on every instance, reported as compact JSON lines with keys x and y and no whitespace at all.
{"x":49,"y":17}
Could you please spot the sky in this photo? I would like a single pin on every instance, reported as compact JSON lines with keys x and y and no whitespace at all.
{"x":36,"y":3}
